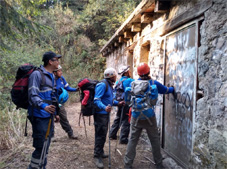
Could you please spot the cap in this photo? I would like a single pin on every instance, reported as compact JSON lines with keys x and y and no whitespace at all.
{"x":49,"y":55}
{"x":123,"y":69}
{"x":59,"y":67}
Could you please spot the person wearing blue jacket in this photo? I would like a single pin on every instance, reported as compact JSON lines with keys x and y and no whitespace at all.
{"x":122,"y":112}
{"x":42,"y":107}
{"x":147,"y":122}
{"x":103,"y":101}
{"x":62,"y":83}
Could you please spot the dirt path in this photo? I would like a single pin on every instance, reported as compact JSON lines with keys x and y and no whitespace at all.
{"x":72,"y":154}
{"x":65,"y":153}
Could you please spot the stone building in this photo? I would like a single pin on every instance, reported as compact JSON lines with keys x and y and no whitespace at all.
{"x":184,"y":43}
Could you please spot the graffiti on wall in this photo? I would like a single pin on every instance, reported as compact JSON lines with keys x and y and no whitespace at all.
{"x":180,"y":73}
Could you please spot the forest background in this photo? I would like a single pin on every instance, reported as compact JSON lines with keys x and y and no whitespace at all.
{"x":76,"y":29}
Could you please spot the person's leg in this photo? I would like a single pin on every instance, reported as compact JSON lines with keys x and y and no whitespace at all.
{"x":101,"y":128}
{"x":65,"y":123}
{"x":125,"y":126}
{"x":39,"y":127}
{"x":133,"y":141}
{"x":115,"y":126}
{"x":152,"y":132}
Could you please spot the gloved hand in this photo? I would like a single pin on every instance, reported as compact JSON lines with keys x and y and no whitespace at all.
{"x":174,"y":93}
{"x":121,"y":103}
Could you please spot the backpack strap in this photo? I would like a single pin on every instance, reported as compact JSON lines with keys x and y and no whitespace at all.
{"x":106,"y":83}
{"x":138,"y":118}
{"x":122,"y":81}
{"x":43,"y":82}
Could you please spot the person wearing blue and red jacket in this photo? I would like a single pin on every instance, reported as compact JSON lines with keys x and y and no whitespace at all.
{"x":138,"y":123}
{"x":103,"y":100}
{"x":62,"y":83}
{"x":122,"y":112}
{"x":42,"y":107}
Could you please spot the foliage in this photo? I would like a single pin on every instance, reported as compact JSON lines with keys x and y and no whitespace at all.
{"x":101,"y":18}
{"x":14,"y":25}
{"x":13,"y":130}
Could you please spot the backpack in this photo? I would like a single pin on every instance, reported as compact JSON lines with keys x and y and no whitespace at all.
{"x":87,"y":88}
{"x":19,"y":91}
{"x":119,"y":91}
{"x":143,"y":95}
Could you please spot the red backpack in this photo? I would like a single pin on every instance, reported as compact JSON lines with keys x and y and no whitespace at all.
{"x":19,"y":91}
{"x":87,"y":88}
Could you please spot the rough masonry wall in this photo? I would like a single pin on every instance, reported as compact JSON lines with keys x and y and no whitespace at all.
{"x":117,"y":58}
{"x":210,"y":131}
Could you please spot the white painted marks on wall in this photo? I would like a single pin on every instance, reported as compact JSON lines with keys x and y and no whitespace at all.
{"x":180,"y":73}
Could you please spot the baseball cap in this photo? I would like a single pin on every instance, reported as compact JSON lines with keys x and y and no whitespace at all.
{"x":50,"y":55}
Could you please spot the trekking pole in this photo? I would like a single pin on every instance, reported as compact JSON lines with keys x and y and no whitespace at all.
{"x":79,"y":119}
{"x":84,"y":126}
{"x":109,"y":165}
{"x":116,"y":149}
{"x":45,"y":144}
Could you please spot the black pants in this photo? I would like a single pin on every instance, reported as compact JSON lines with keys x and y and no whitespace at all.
{"x":125,"y":125}
{"x":101,"y":128}
{"x":39,"y":130}
{"x":64,"y":121}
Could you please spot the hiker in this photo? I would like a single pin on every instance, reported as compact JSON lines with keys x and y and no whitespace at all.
{"x":61,"y":83}
{"x":103,"y":100}
{"x":121,"y":119}
{"x":42,"y":107}
{"x":147,"y":122}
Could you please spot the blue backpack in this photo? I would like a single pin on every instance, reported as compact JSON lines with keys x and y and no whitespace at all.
{"x":141,"y":95}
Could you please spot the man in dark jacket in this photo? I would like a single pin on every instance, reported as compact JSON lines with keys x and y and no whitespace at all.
{"x":42,"y":108}
{"x":103,"y":99}
{"x":122,"y":112}
{"x":62,"y":83}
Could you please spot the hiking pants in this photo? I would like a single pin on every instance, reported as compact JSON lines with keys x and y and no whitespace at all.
{"x":64,"y":121}
{"x":101,"y":128}
{"x":135,"y":132}
{"x":39,"y":129}
{"x":125,"y":125}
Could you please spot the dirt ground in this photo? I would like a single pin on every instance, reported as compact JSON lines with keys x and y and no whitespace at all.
{"x":65,"y":153}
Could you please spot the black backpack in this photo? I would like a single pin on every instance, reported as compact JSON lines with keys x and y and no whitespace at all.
{"x":87,"y":88}
{"x":119,"y":91}
{"x":19,"y":91}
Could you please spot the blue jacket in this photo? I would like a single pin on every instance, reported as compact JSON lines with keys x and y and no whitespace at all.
{"x":61,"y":82}
{"x":126,"y":83}
{"x":39,"y":94}
{"x":162,"y":90}
{"x":104,"y":98}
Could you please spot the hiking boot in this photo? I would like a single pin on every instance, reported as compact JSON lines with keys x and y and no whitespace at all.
{"x":73,"y":137}
{"x":105,"y":155}
{"x":123,"y":142}
{"x":113,"y":138}
{"x":98,"y":162}
{"x":127,"y":167}
{"x":159,"y":166}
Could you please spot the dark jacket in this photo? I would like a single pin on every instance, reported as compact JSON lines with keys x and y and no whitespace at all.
{"x":39,"y":95}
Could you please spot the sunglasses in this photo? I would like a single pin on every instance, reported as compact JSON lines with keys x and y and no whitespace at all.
{"x":55,"y":60}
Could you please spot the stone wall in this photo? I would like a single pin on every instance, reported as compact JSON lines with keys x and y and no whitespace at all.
{"x":209,"y":125}
{"x":210,"y":131}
